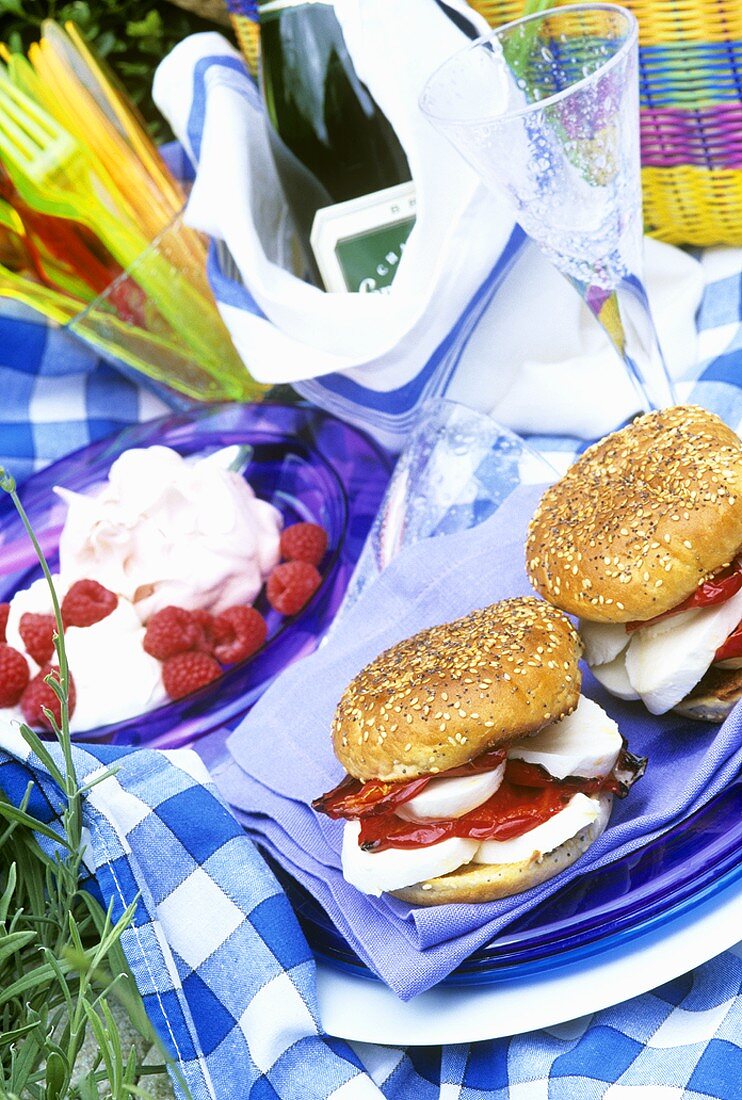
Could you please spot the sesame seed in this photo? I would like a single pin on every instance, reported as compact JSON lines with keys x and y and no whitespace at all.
{"x":413,"y":683}
{"x":670,"y":469}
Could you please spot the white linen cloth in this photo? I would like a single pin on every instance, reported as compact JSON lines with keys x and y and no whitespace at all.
{"x":540,"y":363}
{"x":457,"y":321}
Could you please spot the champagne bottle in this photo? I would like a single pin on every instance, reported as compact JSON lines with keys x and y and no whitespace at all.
{"x":343,"y":171}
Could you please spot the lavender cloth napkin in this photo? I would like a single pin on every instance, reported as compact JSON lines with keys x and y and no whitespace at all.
{"x":281,"y":756}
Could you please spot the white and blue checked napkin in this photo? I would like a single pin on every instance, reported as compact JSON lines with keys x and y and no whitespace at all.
{"x":224,"y":971}
{"x":228,"y":980}
{"x":57,"y":395}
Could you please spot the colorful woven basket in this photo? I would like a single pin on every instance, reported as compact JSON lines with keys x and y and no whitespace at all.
{"x":691,"y":110}
{"x":691,"y":114}
{"x":244,"y":16}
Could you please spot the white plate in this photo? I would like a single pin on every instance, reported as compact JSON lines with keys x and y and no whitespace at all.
{"x":367,"y":1011}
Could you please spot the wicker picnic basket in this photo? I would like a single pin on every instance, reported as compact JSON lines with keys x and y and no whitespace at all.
{"x":691,"y":110}
{"x":691,"y":114}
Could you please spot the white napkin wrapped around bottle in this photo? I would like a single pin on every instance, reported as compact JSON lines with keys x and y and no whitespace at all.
{"x":459,"y":317}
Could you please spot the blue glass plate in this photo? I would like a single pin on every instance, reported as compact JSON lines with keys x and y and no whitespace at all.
{"x":689,"y":864}
{"x":310,"y":465}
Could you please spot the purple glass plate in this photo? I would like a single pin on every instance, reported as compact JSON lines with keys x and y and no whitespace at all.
{"x":312,"y":466}
{"x":693,"y":861}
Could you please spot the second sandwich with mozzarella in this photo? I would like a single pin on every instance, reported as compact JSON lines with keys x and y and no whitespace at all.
{"x":475,"y":767}
{"x":642,"y":538}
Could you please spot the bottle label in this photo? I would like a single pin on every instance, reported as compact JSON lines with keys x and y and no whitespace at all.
{"x":358,"y":244}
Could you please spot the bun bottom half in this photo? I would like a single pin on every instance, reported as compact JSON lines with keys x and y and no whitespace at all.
{"x":714,"y":696}
{"x":476,"y":882}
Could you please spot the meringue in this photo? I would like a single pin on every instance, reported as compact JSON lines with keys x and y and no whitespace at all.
{"x":162,"y":530}
{"x":115,"y":678}
{"x":165,"y":530}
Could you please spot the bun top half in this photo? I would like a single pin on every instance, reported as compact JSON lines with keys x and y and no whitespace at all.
{"x":641,"y":518}
{"x":445,"y":695}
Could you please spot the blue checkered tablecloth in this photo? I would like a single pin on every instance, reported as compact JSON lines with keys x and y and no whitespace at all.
{"x":222,"y":965}
{"x":56,"y":395}
{"x":228,"y":980}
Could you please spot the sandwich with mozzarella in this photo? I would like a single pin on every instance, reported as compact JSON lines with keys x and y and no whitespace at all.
{"x":642,"y":539}
{"x":475,"y":769}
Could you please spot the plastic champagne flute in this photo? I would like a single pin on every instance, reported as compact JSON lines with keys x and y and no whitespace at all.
{"x":546,"y":110}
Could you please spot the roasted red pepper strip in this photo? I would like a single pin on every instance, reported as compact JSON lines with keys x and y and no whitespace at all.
{"x":627,"y":769}
{"x":717,"y":589}
{"x":486,"y":762}
{"x":351,"y":798}
{"x":732,"y":647}
{"x":511,"y":811}
{"x":527,"y":797}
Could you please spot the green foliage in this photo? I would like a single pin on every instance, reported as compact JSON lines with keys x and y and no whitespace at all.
{"x":132,"y":35}
{"x":61,"y":963}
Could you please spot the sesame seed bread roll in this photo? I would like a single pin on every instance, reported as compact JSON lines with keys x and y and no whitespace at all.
{"x":475,"y":882}
{"x":443,"y":696}
{"x":641,"y":518}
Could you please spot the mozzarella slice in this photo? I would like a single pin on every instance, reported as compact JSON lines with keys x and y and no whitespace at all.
{"x":603,"y":641}
{"x":579,"y":812}
{"x":664,"y":666}
{"x":375,"y":872}
{"x":447,"y":798}
{"x":671,"y":623}
{"x":586,"y":743}
{"x":615,"y":677}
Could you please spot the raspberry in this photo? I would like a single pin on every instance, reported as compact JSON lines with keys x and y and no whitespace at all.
{"x":4,"y":611}
{"x":239,"y":632}
{"x":187,"y":672}
{"x":39,"y":695}
{"x":207,"y":640}
{"x":170,"y":631}
{"x":13,"y":675}
{"x":291,"y":585}
{"x":304,"y":542}
{"x":37,"y":632}
{"x":86,"y":603}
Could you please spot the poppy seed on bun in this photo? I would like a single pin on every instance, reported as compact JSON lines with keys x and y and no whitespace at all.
{"x":641,"y":518}
{"x":436,"y":700}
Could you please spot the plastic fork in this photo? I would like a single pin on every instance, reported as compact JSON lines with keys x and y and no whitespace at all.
{"x":50,"y":171}
{"x":55,"y":248}
{"x":10,"y":218}
{"x":64,"y":78}
{"x":92,"y":72}
{"x":58,"y":307}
